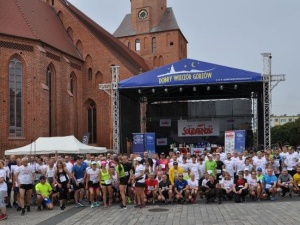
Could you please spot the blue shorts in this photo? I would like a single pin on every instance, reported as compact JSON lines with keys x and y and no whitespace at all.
{"x":46,"y":201}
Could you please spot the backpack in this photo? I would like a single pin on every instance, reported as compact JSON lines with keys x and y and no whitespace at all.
{"x":236,"y":198}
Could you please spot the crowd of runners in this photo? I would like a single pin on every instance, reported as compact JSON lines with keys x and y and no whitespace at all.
{"x":101,"y":180}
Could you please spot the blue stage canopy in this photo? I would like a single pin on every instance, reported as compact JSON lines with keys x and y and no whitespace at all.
{"x":190,"y":72}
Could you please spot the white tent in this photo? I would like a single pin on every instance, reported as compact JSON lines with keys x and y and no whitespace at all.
{"x":49,"y":145}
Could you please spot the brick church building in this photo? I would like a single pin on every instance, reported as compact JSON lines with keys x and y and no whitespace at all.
{"x":53,"y":58}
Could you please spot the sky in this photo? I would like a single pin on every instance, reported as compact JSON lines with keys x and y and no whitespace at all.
{"x":231,"y":33}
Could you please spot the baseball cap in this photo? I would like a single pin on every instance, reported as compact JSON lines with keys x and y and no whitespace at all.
{"x":284,"y":169}
{"x":103,"y":163}
{"x":209,"y":155}
{"x":138,"y":159}
{"x":246,"y":168}
{"x":162,"y":153}
{"x":259,"y":169}
{"x":94,"y":163}
{"x":177,"y":152}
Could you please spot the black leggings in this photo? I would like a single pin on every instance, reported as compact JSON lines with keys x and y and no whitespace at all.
{"x":63,"y":191}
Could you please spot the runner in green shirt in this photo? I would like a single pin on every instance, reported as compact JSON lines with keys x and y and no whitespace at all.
{"x":211,"y":165}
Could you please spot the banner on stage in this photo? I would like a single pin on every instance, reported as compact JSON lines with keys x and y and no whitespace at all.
{"x":198,"y":128}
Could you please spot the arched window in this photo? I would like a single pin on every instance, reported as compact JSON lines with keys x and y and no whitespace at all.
{"x":92,"y":121}
{"x":90,"y":74}
{"x":137,"y":44}
{"x":129,"y":45}
{"x":73,"y":83}
{"x":50,"y":84}
{"x":15,"y":90}
{"x":154,"y":45}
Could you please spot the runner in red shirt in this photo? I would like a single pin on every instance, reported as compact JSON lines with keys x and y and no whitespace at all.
{"x":163,"y":162}
{"x":151,"y":188}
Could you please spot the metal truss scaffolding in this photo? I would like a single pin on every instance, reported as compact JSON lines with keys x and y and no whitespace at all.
{"x":112,"y":90}
{"x":268,"y":78}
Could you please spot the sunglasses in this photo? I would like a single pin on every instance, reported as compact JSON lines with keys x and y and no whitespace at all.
{"x":180,"y":176}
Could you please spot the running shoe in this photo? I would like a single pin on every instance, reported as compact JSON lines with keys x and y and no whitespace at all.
{"x":77,"y":205}
{"x":272,"y":198}
{"x":137,"y":206}
{"x":39,"y":208}
{"x":290,"y":195}
{"x":80,"y":204}
{"x":97,"y":204}
{"x":92,"y":205}
{"x":129,"y":200}
{"x":3,"y":216}
{"x":123,"y":206}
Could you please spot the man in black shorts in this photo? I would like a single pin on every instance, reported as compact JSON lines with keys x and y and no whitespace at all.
{"x":165,"y":190}
{"x":25,"y":178}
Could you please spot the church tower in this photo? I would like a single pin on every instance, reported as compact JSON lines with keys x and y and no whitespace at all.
{"x":152,"y":31}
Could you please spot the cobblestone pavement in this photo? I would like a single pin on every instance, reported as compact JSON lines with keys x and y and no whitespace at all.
{"x":282,"y":211}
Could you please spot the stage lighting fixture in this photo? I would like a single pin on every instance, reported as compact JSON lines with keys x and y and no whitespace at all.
{"x":153,"y":90}
{"x":166,"y":89}
{"x":180,"y":89}
{"x":221,"y":87}
{"x":235,"y":86}
{"x":139,"y":91}
{"x":194,"y":88}
{"x":208,"y":88}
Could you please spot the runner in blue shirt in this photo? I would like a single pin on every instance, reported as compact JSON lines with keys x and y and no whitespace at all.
{"x":180,"y":188}
{"x":269,"y":182}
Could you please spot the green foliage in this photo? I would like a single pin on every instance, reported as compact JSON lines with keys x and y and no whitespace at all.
{"x":288,"y":133}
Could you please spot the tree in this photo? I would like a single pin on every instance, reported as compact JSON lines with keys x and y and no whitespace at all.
{"x":288,"y":133}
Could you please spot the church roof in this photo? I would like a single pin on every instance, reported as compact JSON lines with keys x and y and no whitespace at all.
{"x":125,"y":55}
{"x":33,"y":19}
{"x":167,"y":23}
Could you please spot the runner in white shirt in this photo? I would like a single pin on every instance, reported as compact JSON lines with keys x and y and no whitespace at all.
{"x":239,"y":162}
{"x":69,"y":165}
{"x":227,"y":185}
{"x":254,"y":187}
{"x":3,"y":191}
{"x":195,"y":168}
{"x":49,"y":172}
{"x":93,"y":184}
{"x":26,"y":177}
{"x":193,"y":186}
{"x":259,"y":162}
{"x":185,"y":168}
{"x":229,"y":165}
{"x":291,"y":161}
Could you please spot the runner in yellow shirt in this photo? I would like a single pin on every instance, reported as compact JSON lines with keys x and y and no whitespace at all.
{"x":43,"y":191}
{"x":296,"y":178}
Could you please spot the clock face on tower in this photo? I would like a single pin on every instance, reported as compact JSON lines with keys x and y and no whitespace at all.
{"x":143,"y":14}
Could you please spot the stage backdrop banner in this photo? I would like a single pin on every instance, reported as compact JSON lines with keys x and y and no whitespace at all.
{"x":138,"y":143}
{"x":150,"y":142}
{"x":165,"y":122}
{"x":198,"y":128}
{"x":240,"y":140}
{"x":162,"y":141}
{"x":229,"y":141}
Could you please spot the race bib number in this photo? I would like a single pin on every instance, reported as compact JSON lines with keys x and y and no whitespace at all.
{"x":150,"y":188}
{"x":50,"y":173}
{"x":62,"y":178}
{"x":108,"y":182}
{"x":219,"y":171}
{"x":268,"y":186}
{"x":80,"y":180}
{"x":95,"y":181}
{"x":126,"y":174}
{"x":163,"y":166}
{"x":209,"y":171}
